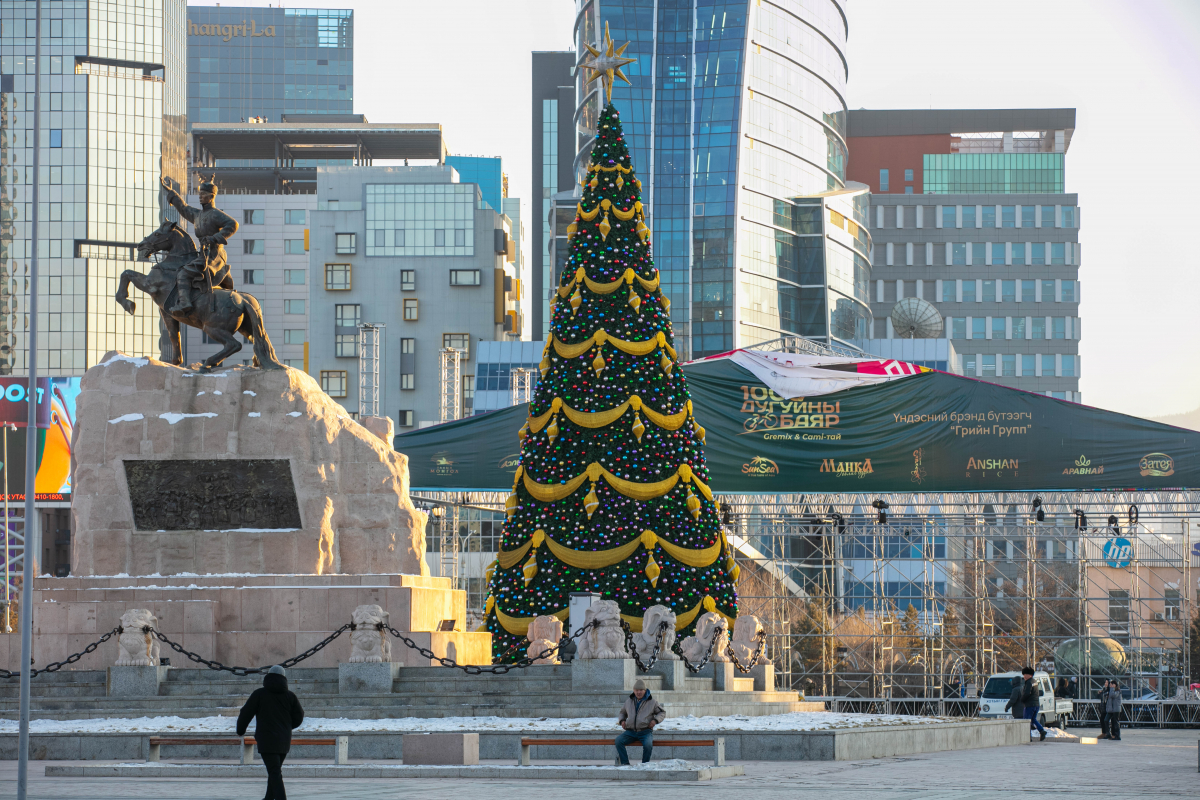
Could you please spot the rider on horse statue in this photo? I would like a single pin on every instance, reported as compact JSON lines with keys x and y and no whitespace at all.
{"x":213,"y":228}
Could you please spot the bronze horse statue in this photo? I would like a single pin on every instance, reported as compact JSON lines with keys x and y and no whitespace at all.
{"x":220,"y":312}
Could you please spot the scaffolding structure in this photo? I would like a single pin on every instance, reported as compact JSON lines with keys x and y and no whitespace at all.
{"x":913,"y":614}
{"x":451,"y":384}
{"x":368,"y":368}
{"x":522,"y":385}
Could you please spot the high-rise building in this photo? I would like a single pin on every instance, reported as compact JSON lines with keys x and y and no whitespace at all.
{"x":244,"y":63}
{"x":486,"y":172}
{"x":735,"y":111}
{"x":969,"y":211}
{"x":113,"y":121}
{"x":553,"y":151}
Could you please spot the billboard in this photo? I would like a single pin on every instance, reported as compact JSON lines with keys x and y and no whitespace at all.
{"x":929,"y":432}
{"x":54,"y":423}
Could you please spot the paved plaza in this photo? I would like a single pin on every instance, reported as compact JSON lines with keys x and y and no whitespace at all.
{"x":1146,"y":764}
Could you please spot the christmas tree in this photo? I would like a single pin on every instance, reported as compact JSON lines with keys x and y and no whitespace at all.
{"x":611,"y":495}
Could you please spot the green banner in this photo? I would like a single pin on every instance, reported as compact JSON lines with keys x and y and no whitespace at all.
{"x":931,"y":432}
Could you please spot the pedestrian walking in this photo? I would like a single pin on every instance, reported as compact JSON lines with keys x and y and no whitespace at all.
{"x":1014,"y":700}
{"x":1102,"y":696}
{"x":1113,"y":706}
{"x":639,"y":715}
{"x":1029,"y":698}
{"x":277,"y":713}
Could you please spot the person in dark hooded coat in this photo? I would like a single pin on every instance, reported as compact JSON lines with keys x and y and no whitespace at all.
{"x":276,"y":712}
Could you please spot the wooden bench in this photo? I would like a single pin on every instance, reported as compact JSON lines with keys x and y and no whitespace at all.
{"x":717,"y":744}
{"x":341,"y":745}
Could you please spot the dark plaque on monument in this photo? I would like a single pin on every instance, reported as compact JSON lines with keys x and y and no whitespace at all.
{"x":212,"y":494}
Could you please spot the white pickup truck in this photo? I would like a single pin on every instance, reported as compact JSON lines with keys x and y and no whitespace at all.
{"x":998,"y":689}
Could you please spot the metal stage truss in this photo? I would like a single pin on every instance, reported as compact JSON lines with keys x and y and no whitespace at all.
{"x":909,"y":607}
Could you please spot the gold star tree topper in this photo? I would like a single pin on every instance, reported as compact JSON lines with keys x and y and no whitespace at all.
{"x":607,"y":65}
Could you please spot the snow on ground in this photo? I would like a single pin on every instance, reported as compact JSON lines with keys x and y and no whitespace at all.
{"x":798,"y":721}
{"x":1055,"y":733}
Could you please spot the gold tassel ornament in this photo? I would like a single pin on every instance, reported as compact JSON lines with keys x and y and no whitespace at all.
{"x":521,"y":434}
{"x":638,"y":427}
{"x":552,"y":430}
{"x":652,"y":570}
{"x":598,"y":362}
{"x":576,"y":301}
{"x":698,"y":431}
{"x":530,"y":569}
{"x":591,"y":502}
{"x":634,"y":299}
{"x":605,"y":227}
{"x":693,"y":503}
{"x":510,"y":504}
{"x":666,"y":365}
{"x":620,"y":181}
{"x":664,"y":302}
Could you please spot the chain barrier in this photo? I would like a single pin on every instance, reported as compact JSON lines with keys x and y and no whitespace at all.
{"x":55,"y":666}
{"x":495,"y":669}
{"x":758,"y":651}
{"x":510,"y":651}
{"x":243,"y":671}
{"x":707,"y":656}
{"x":631,"y":647}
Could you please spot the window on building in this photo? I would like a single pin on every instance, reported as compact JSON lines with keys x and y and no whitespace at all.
{"x":959,"y":253}
{"x":56,"y":137}
{"x":1028,"y":216}
{"x":1038,"y":250}
{"x":408,"y":280}
{"x":293,"y":336}
{"x":1118,"y":606}
{"x":1018,"y":327}
{"x":1047,"y":291}
{"x":997,"y":253}
{"x":294,"y":216}
{"x":989,"y":216}
{"x":294,"y":363}
{"x":1047,"y":216}
{"x":1008,"y":291}
{"x":1039,"y":327}
{"x":408,"y":381}
{"x":978,"y":253}
{"x":908,"y":190}
{"x":1058,"y":253}
{"x":254,"y":247}
{"x":1008,"y":366}
{"x":404,"y":418}
{"x":978,"y":327}
{"x":1028,"y":292}
{"x":949,"y":217}
{"x":998,"y":327}
{"x":958,"y":328}
{"x":253,"y":216}
{"x":294,"y":277}
{"x":989,"y":366}
{"x":1028,"y":364}
{"x":1171,"y":604}
{"x":966,"y":363}
{"x":1018,"y":252}
{"x":468,"y":394}
{"x":989,"y":291}
{"x":408,"y":364}
{"x":1068,"y":216}
{"x":1047,"y":365}
{"x":464,"y":277}
{"x":1008,"y":216}
{"x":949,"y":292}
{"x":1068,"y":291}
{"x":458,"y":341}
{"x":410,"y":309}
{"x":293,"y":247}
{"x":439,"y":237}
{"x":293,"y":306}
{"x":460,"y":235}
{"x":908,"y":174}
{"x":968,"y":215}
{"x":346,"y":317}
{"x":346,"y":244}
{"x":1068,"y":365}
{"x":337,"y":277}
{"x":968,"y":294}
{"x":333,"y":381}
{"x":1060,"y":327}
{"x":883,"y":180}
{"x":254,"y":277}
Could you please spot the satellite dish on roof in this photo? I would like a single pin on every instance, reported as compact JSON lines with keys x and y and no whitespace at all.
{"x":914,"y":318}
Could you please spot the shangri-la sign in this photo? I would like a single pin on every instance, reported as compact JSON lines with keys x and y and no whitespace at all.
{"x":227,"y":32}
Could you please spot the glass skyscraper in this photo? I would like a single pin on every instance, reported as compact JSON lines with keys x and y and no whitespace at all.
{"x":735,"y":111}
{"x":113,"y":103}
{"x":267,"y":62}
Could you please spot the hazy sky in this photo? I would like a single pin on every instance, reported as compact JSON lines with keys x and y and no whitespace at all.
{"x":1130,"y":67}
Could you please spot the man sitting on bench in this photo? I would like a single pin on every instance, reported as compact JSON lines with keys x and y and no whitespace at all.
{"x":639,"y":715}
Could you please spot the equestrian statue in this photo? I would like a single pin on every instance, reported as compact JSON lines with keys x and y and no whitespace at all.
{"x":193,"y":287}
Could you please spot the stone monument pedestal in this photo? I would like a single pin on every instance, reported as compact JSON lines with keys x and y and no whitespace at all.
{"x":603,"y":674}
{"x":134,"y":681}
{"x":367,"y":677}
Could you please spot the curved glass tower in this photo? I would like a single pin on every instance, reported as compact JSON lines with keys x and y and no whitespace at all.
{"x":736,"y":119}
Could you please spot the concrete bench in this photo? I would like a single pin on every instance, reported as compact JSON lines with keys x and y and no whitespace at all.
{"x":717,"y":744}
{"x":246,"y":743}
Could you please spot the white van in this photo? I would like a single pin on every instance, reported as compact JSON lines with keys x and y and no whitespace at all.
{"x":998,"y":689}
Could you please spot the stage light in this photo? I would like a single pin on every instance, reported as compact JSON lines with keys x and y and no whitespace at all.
{"x":1112,"y":523}
{"x":1039,"y":512}
{"x":880,"y":505}
{"x":1080,"y":520}
{"x":1133,"y":516}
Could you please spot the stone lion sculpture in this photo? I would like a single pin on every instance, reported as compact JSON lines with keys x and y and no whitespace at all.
{"x":710,"y":626}
{"x":745,"y":640}
{"x":544,"y":633}
{"x":644,"y":641}
{"x":367,"y":643}
{"x":137,"y":649}
{"x":607,"y":639}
